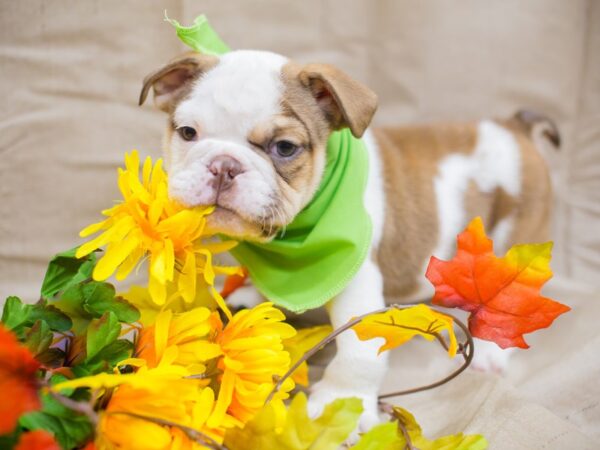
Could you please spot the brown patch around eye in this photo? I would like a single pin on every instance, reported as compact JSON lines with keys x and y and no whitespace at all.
{"x":284,"y":128}
{"x":295,"y":171}
{"x":291,"y":129}
{"x":260,"y":136}
{"x":281,"y":128}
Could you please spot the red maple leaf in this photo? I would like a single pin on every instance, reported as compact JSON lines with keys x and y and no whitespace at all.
{"x":18,"y":381}
{"x":502,"y":294}
{"x":37,"y":440}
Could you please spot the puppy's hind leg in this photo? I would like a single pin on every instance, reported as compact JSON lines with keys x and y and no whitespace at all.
{"x":356,"y":370}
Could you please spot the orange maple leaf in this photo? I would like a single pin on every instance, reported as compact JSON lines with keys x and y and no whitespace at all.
{"x":18,"y":382}
{"x":37,"y":440}
{"x":502,"y":294}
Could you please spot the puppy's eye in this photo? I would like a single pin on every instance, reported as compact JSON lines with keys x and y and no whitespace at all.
{"x":187,"y":133}
{"x":285,"y":149}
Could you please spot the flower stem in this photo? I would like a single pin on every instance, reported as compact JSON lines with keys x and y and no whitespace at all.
{"x":466,"y":349}
{"x":84,"y":408}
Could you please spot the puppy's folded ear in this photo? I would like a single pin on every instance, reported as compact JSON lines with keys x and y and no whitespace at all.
{"x":170,"y":82}
{"x":344,"y":101}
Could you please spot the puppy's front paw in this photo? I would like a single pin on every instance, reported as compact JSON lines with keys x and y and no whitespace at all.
{"x":324,"y":393}
{"x":489,"y":357}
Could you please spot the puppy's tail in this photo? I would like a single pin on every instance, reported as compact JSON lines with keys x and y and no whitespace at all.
{"x":527,"y":120}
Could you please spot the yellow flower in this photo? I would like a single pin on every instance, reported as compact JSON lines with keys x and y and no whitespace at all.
{"x":139,"y":297}
{"x":253,"y":358}
{"x":163,"y":395}
{"x":187,"y":333}
{"x":118,"y":429}
{"x":147,"y":223}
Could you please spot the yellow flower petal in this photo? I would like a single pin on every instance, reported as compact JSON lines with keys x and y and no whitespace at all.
{"x":221,"y":302}
{"x":187,"y":278}
{"x":156,"y":209}
{"x":161,"y":332}
{"x":209,"y":273}
{"x":129,"y":264}
{"x":117,"y":428}
{"x":115,"y":255}
{"x":157,"y":290}
{"x":229,"y":270}
{"x":219,"y":247}
{"x":146,"y":171}
{"x":223,"y":400}
{"x":117,"y":232}
{"x":94,"y":228}
{"x":169,"y":260}
{"x":204,"y":406}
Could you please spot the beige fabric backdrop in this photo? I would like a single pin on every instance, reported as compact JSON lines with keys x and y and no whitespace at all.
{"x":70,"y":73}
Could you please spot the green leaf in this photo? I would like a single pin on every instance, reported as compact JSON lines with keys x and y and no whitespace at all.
{"x":109,"y":356}
{"x":10,"y":440}
{"x":15,"y":313}
{"x":201,"y":37}
{"x":56,"y":319}
{"x":43,"y":421}
{"x":71,"y":303}
{"x":66,"y":270}
{"x":53,"y":358}
{"x":338,"y":420}
{"x":100,"y":333}
{"x":380,"y":437}
{"x":88,"y":300}
{"x":58,"y":378}
{"x":39,"y":338}
{"x":299,"y":432}
{"x":81,"y":371}
{"x":70,"y":429}
{"x":453,"y":442}
{"x":99,"y":297}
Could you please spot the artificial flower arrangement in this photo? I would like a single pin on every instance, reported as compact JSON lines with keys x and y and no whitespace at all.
{"x":169,"y":366}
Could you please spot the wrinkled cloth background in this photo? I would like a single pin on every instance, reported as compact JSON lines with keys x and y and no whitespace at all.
{"x":70,"y":74}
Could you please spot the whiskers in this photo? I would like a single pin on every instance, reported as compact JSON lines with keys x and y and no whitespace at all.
{"x":274,"y":221}
{"x":283,"y":222}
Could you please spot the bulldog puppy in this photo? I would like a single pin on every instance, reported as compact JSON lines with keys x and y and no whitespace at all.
{"x":248,"y":131}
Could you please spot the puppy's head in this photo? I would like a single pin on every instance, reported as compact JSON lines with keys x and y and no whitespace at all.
{"x":248,"y":133}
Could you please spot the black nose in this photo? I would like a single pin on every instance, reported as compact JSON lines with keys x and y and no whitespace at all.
{"x":225,"y":169}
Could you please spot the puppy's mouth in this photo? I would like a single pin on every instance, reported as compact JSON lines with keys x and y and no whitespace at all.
{"x":237,"y":224}
{"x":223,"y":210}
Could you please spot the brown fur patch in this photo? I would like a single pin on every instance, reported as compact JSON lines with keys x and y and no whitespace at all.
{"x":172,"y":82}
{"x":295,"y":170}
{"x":534,"y":207}
{"x":344,"y":101}
{"x":410,"y":159}
{"x":305,"y":118}
{"x":527,"y":121}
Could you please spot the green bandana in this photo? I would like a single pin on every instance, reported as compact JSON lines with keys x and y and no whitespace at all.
{"x":325,"y":245}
